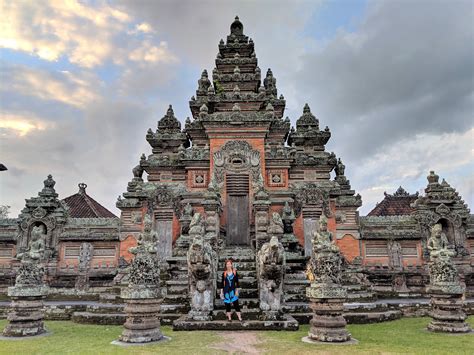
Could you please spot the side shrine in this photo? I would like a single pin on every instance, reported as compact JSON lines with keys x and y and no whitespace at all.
{"x":238,"y":181}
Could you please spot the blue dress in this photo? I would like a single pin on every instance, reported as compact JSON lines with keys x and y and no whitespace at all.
{"x":230,"y":283}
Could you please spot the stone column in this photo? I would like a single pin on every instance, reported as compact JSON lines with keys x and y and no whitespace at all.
{"x":261,"y":208}
{"x":26,"y":314}
{"x":142,"y":306}
{"x":328,"y":323}
{"x":447,"y":311}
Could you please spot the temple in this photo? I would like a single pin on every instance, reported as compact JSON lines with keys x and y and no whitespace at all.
{"x":237,"y":179}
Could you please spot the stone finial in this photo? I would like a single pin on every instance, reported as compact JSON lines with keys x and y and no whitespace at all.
{"x":306,"y":108}
{"x":48,"y":189}
{"x":236,"y":107}
{"x":432,"y":178}
{"x":49,"y":182}
{"x":143,"y":157}
{"x":270,"y":107}
{"x":203,"y":109}
{"x":82,"y":188}
{"x":237,"y":28}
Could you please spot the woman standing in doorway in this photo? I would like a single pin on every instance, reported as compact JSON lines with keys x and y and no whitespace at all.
{"x":230,"y":290}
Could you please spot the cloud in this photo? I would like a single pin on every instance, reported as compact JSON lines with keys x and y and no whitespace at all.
{"x":21,"y":125}
{"x":409,"y":161}
{"x":87,"y":35}
{"x":77,"y":90}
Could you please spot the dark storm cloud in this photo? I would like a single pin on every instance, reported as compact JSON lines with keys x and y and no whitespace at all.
{"x":406,"y":70}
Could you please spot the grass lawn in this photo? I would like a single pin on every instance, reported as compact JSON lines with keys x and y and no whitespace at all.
{"x":402,"y":336}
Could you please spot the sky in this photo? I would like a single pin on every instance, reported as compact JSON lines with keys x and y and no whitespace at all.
{"x":82,"y":81}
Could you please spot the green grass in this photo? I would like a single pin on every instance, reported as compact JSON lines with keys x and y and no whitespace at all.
{"x":407,"y":336}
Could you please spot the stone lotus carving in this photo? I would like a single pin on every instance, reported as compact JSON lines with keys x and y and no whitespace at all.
{"x":271,"y":271}
{"x":202,"y":278}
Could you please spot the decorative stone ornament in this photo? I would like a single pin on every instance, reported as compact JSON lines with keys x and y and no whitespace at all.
{"x":326,"y":293}
{"x":445,"y":289}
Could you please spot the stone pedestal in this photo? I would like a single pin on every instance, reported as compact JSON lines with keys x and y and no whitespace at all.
{"x":328,"y":323}
{"x":447,"y":311}
{"x":26,"y":314}
{"x":142,"y":308}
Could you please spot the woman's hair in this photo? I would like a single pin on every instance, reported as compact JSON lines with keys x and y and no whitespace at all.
{"x":228,"y":261}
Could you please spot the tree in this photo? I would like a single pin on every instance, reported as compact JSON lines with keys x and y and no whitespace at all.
{"x":4,"y":211}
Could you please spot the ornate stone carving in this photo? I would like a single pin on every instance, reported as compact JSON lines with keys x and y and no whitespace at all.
{"x":311,"y":194}
{"x":276,"y":224}
{"x":202,"y":266}
{"x":443,"y":273}
{"x":236,"y":157}
{"x":85,"y":256}
{"x":395,"y":254}
{"x":271,"y":271}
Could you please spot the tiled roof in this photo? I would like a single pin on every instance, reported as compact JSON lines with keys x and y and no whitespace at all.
{"x":81,"y":205}
{"x":397,"y":204}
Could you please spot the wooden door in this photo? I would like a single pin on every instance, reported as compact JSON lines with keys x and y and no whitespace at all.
{"x":237,"y":209}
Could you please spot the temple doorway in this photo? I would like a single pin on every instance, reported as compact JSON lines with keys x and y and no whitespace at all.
{"x":237,"y":186}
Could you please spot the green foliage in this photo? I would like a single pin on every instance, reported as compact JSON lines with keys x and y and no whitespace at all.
{"x":218,"y":88}
{"x":407,"y":336}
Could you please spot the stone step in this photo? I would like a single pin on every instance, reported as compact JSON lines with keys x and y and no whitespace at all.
{"x":244,"y":293}
{"x":289,"y":323}
{"x":169,"y":318}
{"x":296,"y":307}
{"x":174,"y":299}
{"x":371,"y":317}
{"x":174,"y":308}
{"x":237,"y":258}
{"x":295,"y":276}
{"x":244,"y":265}
{"x":245,"y":303}
{"x":245,"y":282}
{"x":295,"y":297}
{"x":98,"y":318}
{"x":302,"y":318}
{"x":253,"y":313}
{"x":104,"y":308}
{"x":177,"y":290}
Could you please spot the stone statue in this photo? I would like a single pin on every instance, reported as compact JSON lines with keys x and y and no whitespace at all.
{"x":340,"y":168}
{"x":322,"y":239}
{"x":147,"y":240}
{"x":395,"y":252}
{"x":37,"y":245}
{"x":276,"y":224}
{"x":138,"y":172}
{"x":442,"y":269}
{"x":326,"y":263}
{"x":196,"y":227}
{"x":85,"y":257}
{"x":271,"y":271}
{"x":204,"y":82}
{"x":288,"y":218}
{"x":438,"y":243}
{"x":202,"y":263}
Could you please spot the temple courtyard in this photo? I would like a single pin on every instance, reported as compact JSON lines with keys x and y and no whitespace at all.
{"x":407,"y":336}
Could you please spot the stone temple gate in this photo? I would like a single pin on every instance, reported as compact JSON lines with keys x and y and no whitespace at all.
{"x":236,"y":177}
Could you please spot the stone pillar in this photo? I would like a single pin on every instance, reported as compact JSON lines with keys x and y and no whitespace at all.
{"x":261,"y":208}
{"x":26,"y":314}
{"x":328,"y":323}
{"x":142,"y":306}
{"x":447,"y":311}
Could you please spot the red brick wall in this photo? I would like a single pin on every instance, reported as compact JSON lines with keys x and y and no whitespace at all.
{"x":298,"y":229}
{"x":129,"y":242}
{"x":349,"y":246}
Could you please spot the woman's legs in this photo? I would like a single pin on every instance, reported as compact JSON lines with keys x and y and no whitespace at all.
{"x":237,"y":309}
{"x":228,"y":311}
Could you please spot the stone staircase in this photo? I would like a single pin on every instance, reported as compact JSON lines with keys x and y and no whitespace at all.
{"x":244,"y":261}
{"x":175,"y":283}
{"x":295,"y":283}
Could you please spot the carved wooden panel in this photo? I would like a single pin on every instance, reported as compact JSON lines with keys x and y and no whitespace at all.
{"x":409,"y":248}
{"x":237,"y":186}
{"x":6,"y":252}
{"x":309,"y":226}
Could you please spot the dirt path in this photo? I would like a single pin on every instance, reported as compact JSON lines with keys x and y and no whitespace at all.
{"x":238,"y":343}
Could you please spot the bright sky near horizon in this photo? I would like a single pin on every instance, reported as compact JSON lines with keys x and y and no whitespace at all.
{"x":82,"y":81}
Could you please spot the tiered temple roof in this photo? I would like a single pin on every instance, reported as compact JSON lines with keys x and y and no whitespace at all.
{"x":81,"y":205}
{"x":397,"y":204}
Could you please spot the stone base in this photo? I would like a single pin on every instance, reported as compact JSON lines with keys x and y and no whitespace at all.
{"x":328,"y":323}
{"x":142,"y":324}
{"x":200,"y":316}
{"x":45,"y":334}
{"x":124,"y":344}
{"x":286,"y":323}
{"x":308,"y":340}
{"x":447,"y":314}
{"x":25,"y":317}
